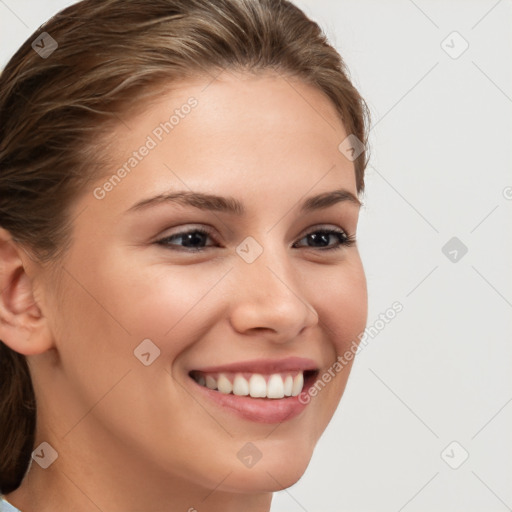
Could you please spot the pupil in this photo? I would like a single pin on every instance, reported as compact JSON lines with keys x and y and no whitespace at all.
{"x":192,"y":239}
{"x":323,"y":238}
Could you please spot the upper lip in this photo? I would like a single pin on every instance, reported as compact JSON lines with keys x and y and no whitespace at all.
{"x":264,"y":366}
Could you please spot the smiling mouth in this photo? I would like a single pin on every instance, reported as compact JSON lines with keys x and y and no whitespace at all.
{"x":256,"y":385}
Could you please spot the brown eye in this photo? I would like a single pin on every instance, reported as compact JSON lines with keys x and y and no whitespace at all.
{"x":192,"y":240}
{"x":321,"y":238}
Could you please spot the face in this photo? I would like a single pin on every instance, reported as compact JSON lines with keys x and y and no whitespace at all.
{"x":162,"y":300}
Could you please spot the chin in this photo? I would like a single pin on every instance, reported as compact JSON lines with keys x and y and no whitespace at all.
{"x":264,"y":480}
{"x":275,"y":471}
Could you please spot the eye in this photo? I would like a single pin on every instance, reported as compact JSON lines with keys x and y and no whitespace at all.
{"x":192,"y":239}
{"x":320,"y":239}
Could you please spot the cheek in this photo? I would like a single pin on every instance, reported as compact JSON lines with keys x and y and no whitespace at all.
{"x":171,"y":305}
{"x":342,"y":305}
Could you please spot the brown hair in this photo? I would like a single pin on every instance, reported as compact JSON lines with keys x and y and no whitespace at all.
{"x":56,"y":111}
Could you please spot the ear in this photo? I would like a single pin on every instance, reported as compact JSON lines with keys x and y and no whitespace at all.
{"x":23,"y":328}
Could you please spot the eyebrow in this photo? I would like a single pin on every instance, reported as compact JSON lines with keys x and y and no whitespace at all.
{"x":231,"y":205}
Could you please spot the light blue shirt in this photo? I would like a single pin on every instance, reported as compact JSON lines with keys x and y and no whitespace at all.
{"x":6,"y":506}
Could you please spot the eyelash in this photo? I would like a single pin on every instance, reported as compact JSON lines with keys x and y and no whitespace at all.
{"x":344,"y":239}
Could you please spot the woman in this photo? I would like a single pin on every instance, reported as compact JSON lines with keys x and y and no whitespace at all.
{"x":179,"y":185}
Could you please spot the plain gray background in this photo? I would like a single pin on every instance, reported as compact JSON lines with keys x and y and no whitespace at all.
{"x":435,"y":385}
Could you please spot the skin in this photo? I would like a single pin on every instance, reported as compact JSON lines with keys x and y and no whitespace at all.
{"x":132,"y":437}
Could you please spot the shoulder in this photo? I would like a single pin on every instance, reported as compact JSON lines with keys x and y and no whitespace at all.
{"x":5,"y":506}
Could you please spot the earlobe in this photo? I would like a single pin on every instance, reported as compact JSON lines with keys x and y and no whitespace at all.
{"x":23,"y":327}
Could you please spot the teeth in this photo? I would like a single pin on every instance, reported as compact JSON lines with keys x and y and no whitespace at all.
{"x":211,"y":383}
{"x":288,"y":385}
{"x":257,"y":386}
{"x":224,"y":385}
{"x":275,"y":387}
{"x":240,"y":386}
{"x":298,"y":383}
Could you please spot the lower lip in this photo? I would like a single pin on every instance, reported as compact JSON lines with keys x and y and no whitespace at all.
{"x":259,"y":410}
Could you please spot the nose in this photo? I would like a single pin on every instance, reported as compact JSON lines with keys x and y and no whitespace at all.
{"x":268,"y":300}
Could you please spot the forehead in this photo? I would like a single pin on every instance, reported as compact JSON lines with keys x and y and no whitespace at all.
{"x":239,"y":132}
